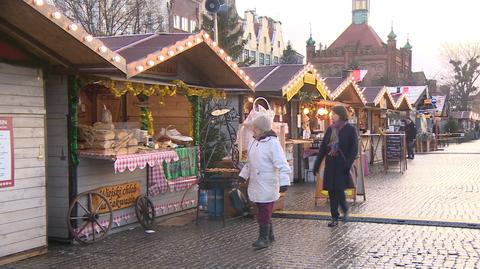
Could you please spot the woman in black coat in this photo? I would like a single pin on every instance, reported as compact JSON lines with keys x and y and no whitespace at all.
{"x":339,"y":148}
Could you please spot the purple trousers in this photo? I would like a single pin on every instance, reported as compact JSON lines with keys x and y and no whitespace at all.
{"x":264,"y":212}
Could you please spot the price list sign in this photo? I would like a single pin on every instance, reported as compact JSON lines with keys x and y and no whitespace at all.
{"x":6,"y":152}
{"x":394,"y":147}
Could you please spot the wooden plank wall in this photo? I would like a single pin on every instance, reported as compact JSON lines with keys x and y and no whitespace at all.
{"x":57,"y":155}
{"x":23,"y":216}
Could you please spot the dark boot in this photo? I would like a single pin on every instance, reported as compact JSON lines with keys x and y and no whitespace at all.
{"x":262,"y":242}
{"x":271,"y":237}
{"x":333,"y":223}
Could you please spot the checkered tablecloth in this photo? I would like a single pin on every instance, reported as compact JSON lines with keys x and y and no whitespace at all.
{"x":134,"y":161}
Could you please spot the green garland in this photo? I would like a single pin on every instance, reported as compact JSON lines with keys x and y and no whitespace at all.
{"x":143,"y":113}
{"x":196,"y":102}
{"x":72,"y":109}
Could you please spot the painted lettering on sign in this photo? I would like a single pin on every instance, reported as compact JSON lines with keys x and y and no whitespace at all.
{"x":119,"y":196}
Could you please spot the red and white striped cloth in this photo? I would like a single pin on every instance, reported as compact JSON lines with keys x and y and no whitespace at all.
{"x":134,"y":161}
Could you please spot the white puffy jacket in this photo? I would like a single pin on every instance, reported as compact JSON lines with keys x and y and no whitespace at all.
{"x":267,"y":169}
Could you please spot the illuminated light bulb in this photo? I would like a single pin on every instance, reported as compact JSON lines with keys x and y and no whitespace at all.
{"x":306,"y":110}
{"x":150,"y":63}
{"x":221,"y":51}
{"x":56,"y":15}
{"x":88,"y":38}
{"x":206,"y":36}
{"x":250,"y":99}
{"x":247,"y":77}
{"x":116,"y":58}
{"x":73,"y":27}
{"x":214,"y":43}
{"x":228,"y":58}
{"x":235,"y":65}
{"x":189,"y":44}
{"x":161,"y":58}
{"x":180,"y":48}
{"x":241,"y":72}
{"x":103,"y":49}
{"x":139,"y":68}
{"x":171,"y":52}
{"x":39,"y":2}
{"x":252,"y":83}
{"x":198,"y":40}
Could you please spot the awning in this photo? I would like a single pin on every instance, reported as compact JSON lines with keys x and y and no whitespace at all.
{"x":378,"y":97}
{"x":48,"y":34}
{"x":345,"y":90}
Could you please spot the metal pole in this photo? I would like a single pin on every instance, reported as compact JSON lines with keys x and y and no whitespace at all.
{"x":215,"y":27}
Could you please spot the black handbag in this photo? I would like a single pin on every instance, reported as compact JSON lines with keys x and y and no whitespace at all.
{"x":239,"y":202}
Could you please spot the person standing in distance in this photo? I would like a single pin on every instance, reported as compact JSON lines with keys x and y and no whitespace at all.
{"x":267,"y":173}
{"x":411,"y":136}
{"x":339,"y":148}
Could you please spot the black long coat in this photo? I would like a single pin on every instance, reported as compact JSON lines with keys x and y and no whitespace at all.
{"x":337,"y":168}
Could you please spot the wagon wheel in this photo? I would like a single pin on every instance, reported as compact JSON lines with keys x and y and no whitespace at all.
{"x":145,"y":211}
{"x":84,"y":218}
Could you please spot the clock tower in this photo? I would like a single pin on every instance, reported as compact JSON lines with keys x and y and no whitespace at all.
{"x":360,"y":10}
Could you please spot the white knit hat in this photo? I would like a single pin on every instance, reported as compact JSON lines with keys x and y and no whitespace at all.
{"x":263,"y":123}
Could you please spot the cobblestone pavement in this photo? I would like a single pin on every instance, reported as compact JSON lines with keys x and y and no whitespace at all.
{"x":299,"y":244}
{"x":441,"y":186}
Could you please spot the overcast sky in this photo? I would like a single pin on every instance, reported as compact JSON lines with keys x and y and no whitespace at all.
{"x":429,"y":23}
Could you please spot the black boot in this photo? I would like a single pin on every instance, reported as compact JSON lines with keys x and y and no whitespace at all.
{"x":271,"y":237}
{"x":262,"y":242}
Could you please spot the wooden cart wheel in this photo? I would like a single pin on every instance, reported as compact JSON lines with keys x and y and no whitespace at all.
{"x":145,"y":211}
{"x":85,"y":218}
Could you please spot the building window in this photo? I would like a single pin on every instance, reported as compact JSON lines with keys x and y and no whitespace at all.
{"x":278,"y":44}
{"x":268,"y":58}
{"x":261,"y":58}
{"x":265,"y":39}
{"x":253,"y":56}
{"x":176,"y":22}
{"x":275,"y":60}
{"x":184,"y":24}
{"x":246,"y":55}
{"x":193,"y":26}
{"x":249,"y":36}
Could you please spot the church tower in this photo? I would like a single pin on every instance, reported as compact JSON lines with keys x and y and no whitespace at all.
{"x":360,"y":11}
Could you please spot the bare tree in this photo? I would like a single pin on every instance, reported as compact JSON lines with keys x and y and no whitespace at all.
{"x":463,"y":73}
{"x":114,"y":17}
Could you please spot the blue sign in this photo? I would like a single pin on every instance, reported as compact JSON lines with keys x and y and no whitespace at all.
{"x":434,"y":100}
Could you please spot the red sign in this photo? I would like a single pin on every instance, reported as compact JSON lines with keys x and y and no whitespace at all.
{"x":6,"y":152}
{"x":405,"y":90}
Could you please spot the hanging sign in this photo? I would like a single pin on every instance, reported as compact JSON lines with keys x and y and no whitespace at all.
{"x":6,"y":152}
{"x":309,"y":78}
{"x":119,"y":196}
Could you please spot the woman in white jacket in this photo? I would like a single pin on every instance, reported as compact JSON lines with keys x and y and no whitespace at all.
{"x":267,"y":172}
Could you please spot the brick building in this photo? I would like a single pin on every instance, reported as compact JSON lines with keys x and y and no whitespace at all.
{"x":360,"y":47}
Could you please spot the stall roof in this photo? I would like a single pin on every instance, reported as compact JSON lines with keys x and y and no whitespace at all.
{"x":401,"y":102}
{"x":374,"y":95}
{"x":345,"y":90}
{"x":286,"y":78}
{"x":145,"y":51}
{"x":413,"y":93}
{"x":48,"y":34}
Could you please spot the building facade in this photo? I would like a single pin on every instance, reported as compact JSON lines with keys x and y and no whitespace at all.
{"x":184,"y":16}
{"x":264,"y":40}
{"x":360,"y":47}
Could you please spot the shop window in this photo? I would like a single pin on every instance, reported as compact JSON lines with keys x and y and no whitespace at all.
{"x":253,"y":56}
{"x":268,"y":59}
{"x":246,"y":55}
{"x":176,"y":22}
{"x":184,"y":24}
{"x":261,"y":58}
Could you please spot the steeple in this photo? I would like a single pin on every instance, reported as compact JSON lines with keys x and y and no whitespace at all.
{"x":392,"y":35}
{"x":408,"y":46}
{"x":360,"y":11}
{"x":310,"y":41}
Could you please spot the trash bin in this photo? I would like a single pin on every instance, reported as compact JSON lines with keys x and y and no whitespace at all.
{"x":215,"y":203}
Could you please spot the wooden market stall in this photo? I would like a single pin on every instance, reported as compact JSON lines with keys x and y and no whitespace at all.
{"x":149,"y":118}
{"x":36,"y":41}
{"x":379,"y":104}
{"x":284,"y":86}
